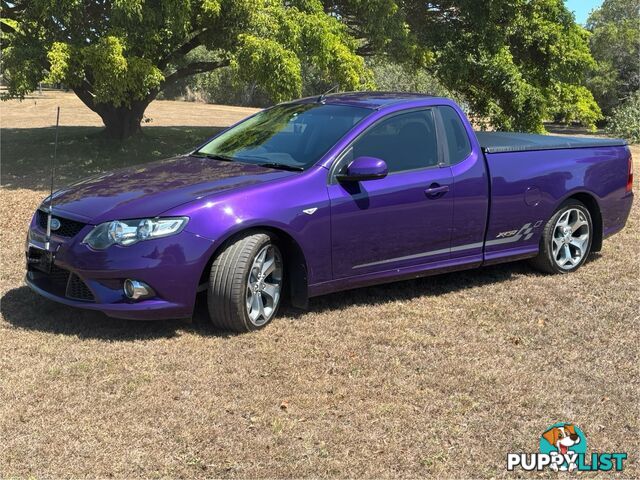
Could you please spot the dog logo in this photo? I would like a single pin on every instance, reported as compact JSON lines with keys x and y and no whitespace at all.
{"x":567,"y":440}
{"x":563,"y":448}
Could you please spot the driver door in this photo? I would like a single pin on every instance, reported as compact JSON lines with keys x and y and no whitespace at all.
{"x":397,"y":221}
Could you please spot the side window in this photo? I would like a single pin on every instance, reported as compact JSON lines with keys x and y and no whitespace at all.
{"x":405,"y":142}
{"x":457,"y":139}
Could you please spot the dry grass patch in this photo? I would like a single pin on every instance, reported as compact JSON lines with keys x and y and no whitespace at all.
{"x":438,"y":377}
{"x":39,"y":111}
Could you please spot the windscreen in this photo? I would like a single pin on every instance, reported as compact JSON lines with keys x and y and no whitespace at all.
{"x":291,"y":135}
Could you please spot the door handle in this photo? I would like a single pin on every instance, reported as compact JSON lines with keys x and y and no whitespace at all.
{"x":436,"y":191}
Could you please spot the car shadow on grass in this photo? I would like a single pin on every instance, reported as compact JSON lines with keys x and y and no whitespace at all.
{"x":429,"y":286}
{"x":86,"y":151}
{"x":23,"y":308}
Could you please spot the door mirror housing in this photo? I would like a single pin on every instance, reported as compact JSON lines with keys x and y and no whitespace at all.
{"x":364,"y":168}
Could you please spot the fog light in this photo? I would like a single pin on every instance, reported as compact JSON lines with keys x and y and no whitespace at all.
{"x":135,"y":289}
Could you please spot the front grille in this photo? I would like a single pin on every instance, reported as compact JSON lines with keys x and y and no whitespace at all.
{"x":58,"y":279}
{"x":68,"y":228}
{"x":62,"y":282}
{"x":78,"y":290}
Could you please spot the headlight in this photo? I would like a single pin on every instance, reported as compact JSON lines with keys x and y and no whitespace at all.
{"x":128,"y":232}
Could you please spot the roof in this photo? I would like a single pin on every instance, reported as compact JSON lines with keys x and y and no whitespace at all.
{"x":373,"y":100}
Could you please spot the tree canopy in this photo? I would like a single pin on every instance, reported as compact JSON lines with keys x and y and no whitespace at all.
{"x":615,"y":43}
{"x":514,"y":62}
{"x":117,"y":55}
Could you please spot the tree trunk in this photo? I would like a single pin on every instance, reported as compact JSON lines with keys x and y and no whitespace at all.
{"x":124,"y":121}
{"x":121,"y":122}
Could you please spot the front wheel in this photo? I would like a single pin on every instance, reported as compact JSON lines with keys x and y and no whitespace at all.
{"x":245,"y":284}
{"x":566,"y":239}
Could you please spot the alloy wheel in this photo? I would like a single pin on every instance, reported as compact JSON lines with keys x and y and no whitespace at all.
{"x":570,"y":241}
{"x":264,"y":285}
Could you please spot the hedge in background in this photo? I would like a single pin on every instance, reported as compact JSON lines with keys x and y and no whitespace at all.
{"x":625,"y":120}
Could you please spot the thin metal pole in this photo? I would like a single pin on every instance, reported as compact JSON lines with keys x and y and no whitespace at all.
{"x":53,"y":173}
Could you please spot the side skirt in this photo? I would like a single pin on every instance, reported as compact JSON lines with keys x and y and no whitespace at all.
{"x":424,"y":270}
{"x":510,"y":255}
{"x":395,"y":275}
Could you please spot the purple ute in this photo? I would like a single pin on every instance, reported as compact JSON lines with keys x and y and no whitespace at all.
{"x":319,"y":195}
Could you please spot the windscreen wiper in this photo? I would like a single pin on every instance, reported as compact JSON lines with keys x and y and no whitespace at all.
{"x":214,"y":156}
{"x":282,"y":166}
{"x":269,"y":164}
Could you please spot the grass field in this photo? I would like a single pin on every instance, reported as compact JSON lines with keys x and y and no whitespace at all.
{"x":438,"y":377}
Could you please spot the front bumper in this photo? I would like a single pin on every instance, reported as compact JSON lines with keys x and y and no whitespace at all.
{"x":93,"y":280}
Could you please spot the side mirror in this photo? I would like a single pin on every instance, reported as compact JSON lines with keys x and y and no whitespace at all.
{"x":364,"y":168}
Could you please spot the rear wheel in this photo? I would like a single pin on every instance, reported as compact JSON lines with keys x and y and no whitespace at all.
{"x":566,"y":239}
{"x":246,"y":283}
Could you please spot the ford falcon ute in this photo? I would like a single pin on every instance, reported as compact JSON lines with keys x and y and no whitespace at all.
{"x":319,"y":195}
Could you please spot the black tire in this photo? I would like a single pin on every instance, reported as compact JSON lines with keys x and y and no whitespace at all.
{"x":545,"y":261}
{"x":228,"y":281}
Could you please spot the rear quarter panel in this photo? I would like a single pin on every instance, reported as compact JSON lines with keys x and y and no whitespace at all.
{"x":527,"y":188}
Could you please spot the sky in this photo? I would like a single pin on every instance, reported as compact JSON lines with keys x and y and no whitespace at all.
{"x":582,"y":8}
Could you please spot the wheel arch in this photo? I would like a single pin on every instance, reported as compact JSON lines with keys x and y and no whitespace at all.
{"x":295,"y":261}
{"x":589,"y":200}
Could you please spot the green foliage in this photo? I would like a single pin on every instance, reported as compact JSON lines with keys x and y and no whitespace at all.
{"x":8,"y":28}
{"x":117,"y":78}
{"x":223,"y":85}
{"x":383,"y":26}
{"x":615,"y":44}
{"x":515,"y":62}
{"x":573,"y":103}
{"x":512,"y":59}
{"x":625,"y":120}
{"x":278,"y":67}
{"x":23,"y":67}
{"x":397,"y":77}
{"x":120,"y":53}
{"x":125,"y":49}
{"x":507,"y":58}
